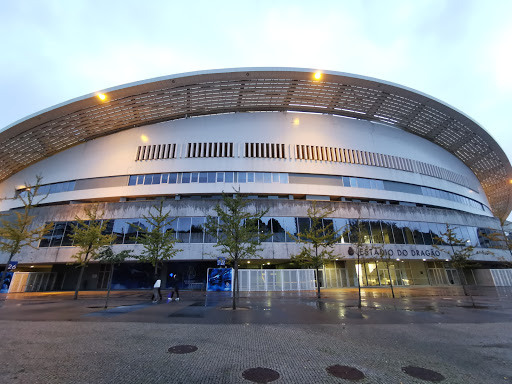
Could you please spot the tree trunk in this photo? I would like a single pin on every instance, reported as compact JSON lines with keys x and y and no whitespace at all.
{"x":237,"y":285}
{"x":390,"y":281}
{"x":235,"y":281}
{"x":358,"y":283}
{"x":464,"y":288}
{"x":317,"y":283}
{"x":463,"y":282}
{"x":317,"y":275}
{"x":4,"y":273}
{"x":109,"y":284}
{"x":79,"y":281}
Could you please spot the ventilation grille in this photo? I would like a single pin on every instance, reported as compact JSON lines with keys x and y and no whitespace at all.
{"x":266,"y":150}
{"x":354,"y":156}
{"x":210,"y":150}
{"x":155,"y":152}
{"x":274,"y":90}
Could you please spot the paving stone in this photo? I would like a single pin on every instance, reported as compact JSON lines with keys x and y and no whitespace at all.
{"x":53,"y":342}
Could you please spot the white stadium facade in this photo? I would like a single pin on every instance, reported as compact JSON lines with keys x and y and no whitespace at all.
{"x":404,"y":163}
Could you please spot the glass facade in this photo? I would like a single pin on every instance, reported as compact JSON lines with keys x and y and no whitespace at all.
{"x":384,"y":185}
{"x":191,"y":230}
{"x":272,"y":177}
{"x":209,"y":177}
{"x":52,"y":188}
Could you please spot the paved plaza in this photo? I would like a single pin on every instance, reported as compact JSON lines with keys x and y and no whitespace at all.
{"x":50,"y":338}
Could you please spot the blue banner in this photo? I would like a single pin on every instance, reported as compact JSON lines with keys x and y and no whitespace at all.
{"x":219,"y":279}
{"x":6,"y":283}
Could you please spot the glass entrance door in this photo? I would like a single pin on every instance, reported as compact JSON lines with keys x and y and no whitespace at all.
{"x":453,"y":276}
{"x":396,"y":276}
{"x":437,"y":276}
{"x":103,"y":276}
{"x":334,"y":277}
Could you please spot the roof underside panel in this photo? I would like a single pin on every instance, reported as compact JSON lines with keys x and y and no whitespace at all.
{"x":247,"y":90}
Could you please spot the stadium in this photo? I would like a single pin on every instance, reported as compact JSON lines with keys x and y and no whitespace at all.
{"x":401,"y":162}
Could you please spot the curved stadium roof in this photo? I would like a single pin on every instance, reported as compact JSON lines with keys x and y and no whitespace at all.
{"x":259,"y":89}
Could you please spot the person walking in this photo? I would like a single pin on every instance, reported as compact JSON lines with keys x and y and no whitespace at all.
{"x":157,"y":295}
{"x":174,"y":286}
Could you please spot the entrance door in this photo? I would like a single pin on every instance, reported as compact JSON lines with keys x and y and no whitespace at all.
{"x":334,"y":277}
{"x":33,"y":281}
{"x":437,"y":276}
{"x":320,"y":278}
{"x":453,"y":276}
{"x":103,"y":276}
{"x":396,"y":276}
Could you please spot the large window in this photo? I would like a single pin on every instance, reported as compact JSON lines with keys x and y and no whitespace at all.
{"x":66,"y":239}
{"x":408,"y":232}
{"x":341,"y":227}
{"x":416,"y":233}
{"x":197,"y":230}
{"x":303,"y":224}
{"x":184,"y":229}
{"x":387,"y":232}
{"x":398,"y":233}
{"x":125,"y":233}
{"x":281,"y":227}
{"x":265,"y":227}
{"x":58,"y":234}
{"x":376,"y":232}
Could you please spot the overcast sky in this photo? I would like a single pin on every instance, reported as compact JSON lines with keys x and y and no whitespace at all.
{"x":458,"y":51}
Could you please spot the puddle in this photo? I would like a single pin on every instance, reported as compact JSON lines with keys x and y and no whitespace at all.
{"x":189,"y":315}
{"x":205,"y":304}
{"x":115,"y":311}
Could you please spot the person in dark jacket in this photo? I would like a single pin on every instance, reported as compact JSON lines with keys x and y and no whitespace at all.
{"x":173,"y":282}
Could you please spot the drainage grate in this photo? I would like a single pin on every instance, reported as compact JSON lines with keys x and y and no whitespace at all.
{"x":181,"y":349}
{"x":345,"y":372}
{"x":423,"y":373}
{"x":260,"y":375}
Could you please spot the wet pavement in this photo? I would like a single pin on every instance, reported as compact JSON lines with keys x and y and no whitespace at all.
{"x":336,"y":306}
{"x":423,"y":335}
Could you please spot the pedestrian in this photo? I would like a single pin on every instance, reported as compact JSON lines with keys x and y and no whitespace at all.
{"x":157,"y":295}
{"x":174,"y":286}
